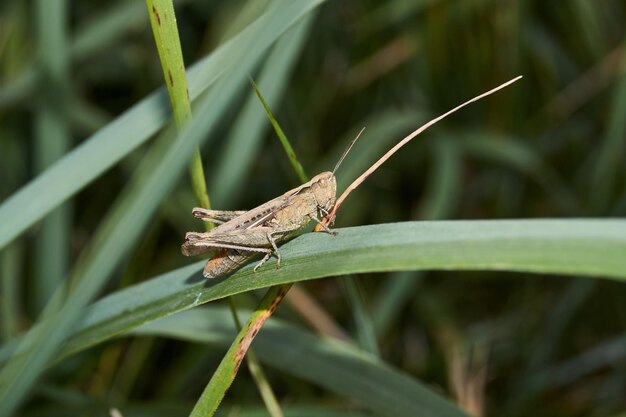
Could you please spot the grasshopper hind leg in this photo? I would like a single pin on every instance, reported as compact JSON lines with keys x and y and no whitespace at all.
{"x":215,"y":216}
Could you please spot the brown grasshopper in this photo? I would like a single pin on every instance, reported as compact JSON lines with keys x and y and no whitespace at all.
{"x":241,"y":234}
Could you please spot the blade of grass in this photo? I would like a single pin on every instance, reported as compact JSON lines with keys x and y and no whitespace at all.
{"x":333,"y":365}
{"x":578,"y":247}
{"x":297,"y":166}
{"x":256,"y":370}
{"x":163,"y":22}
{"x":10,"y":276}
{"x":52,"y":142}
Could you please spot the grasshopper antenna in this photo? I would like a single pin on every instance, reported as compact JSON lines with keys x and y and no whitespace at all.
{"x":331,"y":216}
{"x":347,"y":150}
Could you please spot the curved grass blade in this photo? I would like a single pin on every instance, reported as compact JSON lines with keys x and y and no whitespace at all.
{"x":297,"y":166}
{"x":53,"y":139}
{"x":589,"y":247}
{"x":579,"y":247}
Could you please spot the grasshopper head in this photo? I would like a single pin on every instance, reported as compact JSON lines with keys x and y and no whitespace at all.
{"x":324,"y":187}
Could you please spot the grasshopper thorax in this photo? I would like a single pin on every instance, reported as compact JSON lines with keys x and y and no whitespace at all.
{"x":324,"y":188}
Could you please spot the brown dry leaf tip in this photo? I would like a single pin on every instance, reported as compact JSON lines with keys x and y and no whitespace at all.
{"x":244,"y":344}
{"x":255,"y":326}
{"x":253,"y":329}
{"x":282,"y":292}
{"x":329,"y":219}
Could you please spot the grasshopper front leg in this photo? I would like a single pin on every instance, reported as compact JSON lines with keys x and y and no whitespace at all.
{"x":322,"y":225}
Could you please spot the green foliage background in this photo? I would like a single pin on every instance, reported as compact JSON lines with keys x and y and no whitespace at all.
{"x":512,"y":317}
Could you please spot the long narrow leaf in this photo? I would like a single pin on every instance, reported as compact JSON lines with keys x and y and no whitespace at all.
{"x":592,"y":247}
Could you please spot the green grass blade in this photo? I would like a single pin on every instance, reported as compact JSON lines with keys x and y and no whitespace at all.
{"x":291,"y":154}
{"x":332,"y":365}
{"x":577,"y":247}
{"x":52,"y":142}
{"x":163,"y":22}
{"x":11,"y":274}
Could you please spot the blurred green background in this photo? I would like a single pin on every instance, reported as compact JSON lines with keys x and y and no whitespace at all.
{"x":552,"y":145}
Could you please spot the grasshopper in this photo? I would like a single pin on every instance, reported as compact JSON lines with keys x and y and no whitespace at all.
{"x":242,"y":234}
